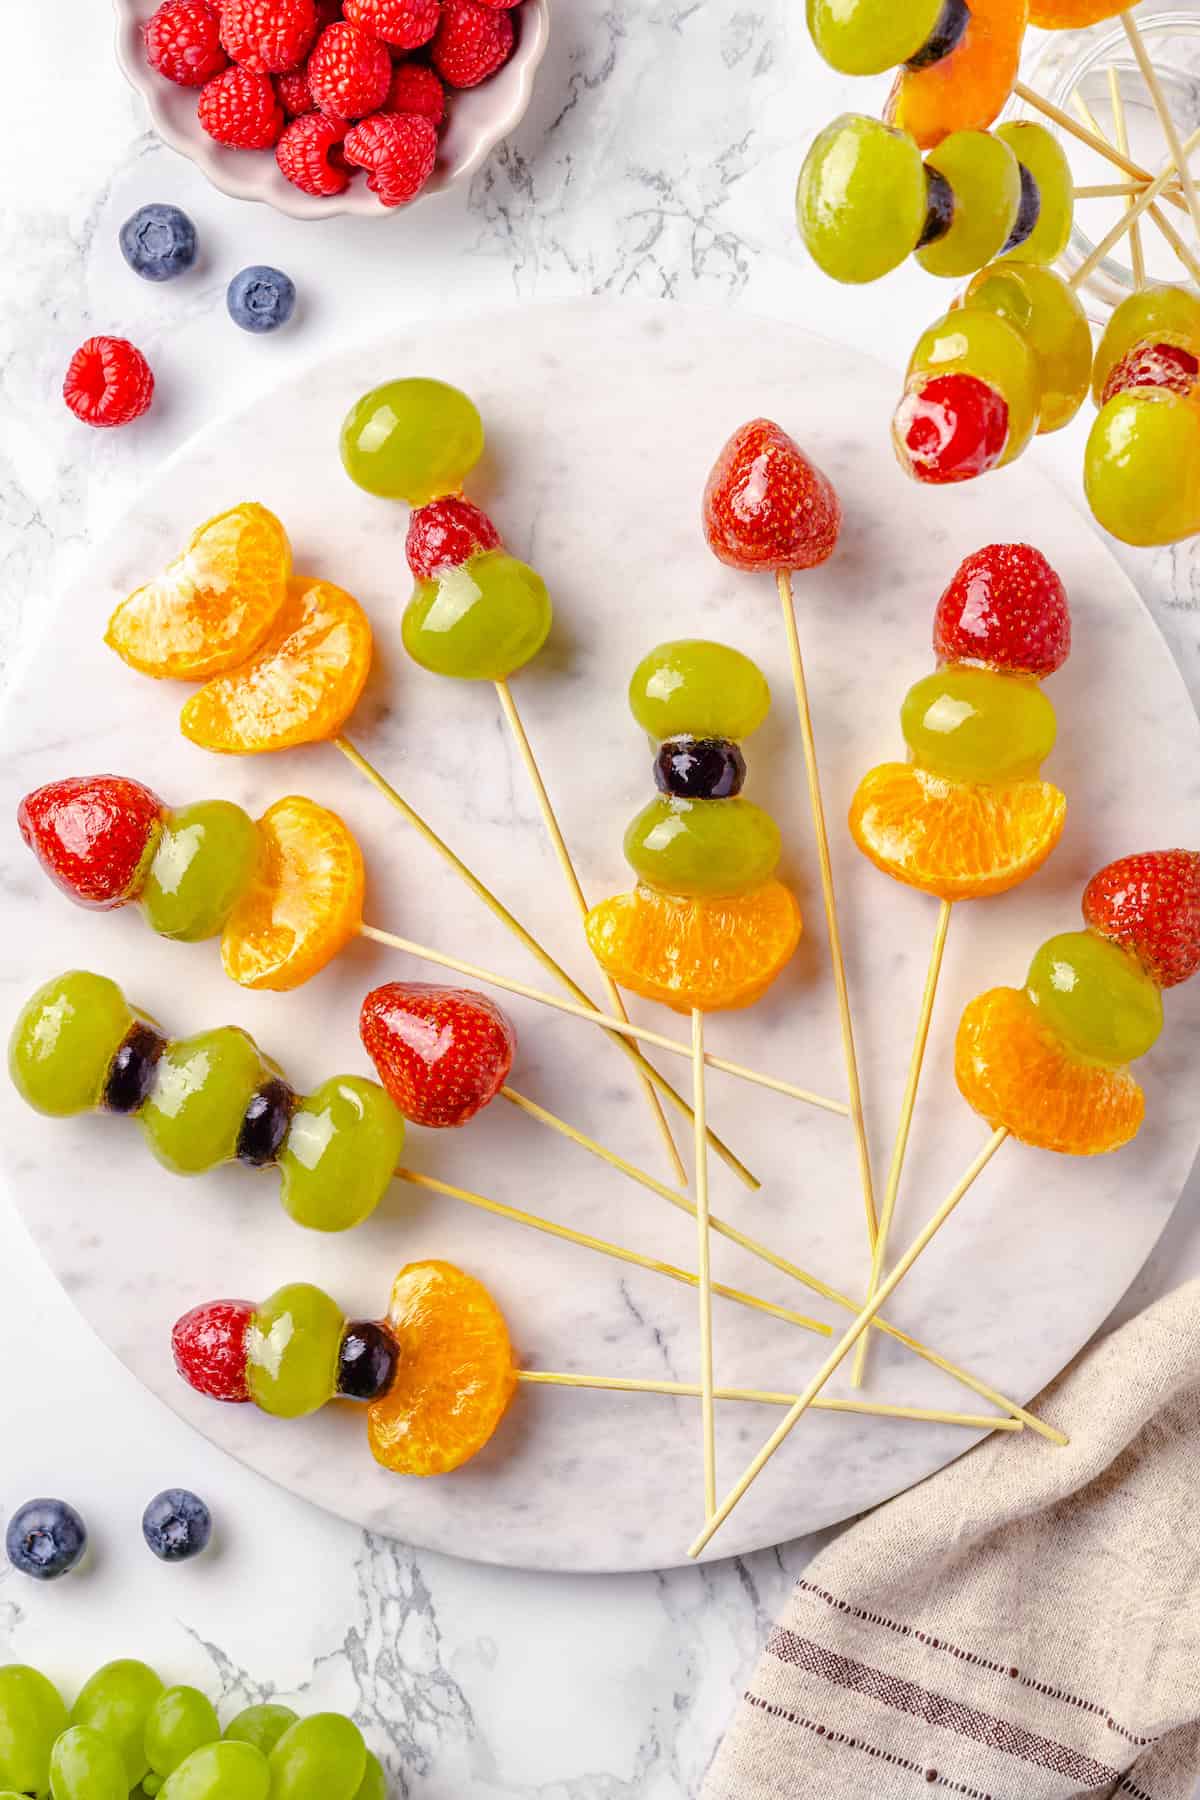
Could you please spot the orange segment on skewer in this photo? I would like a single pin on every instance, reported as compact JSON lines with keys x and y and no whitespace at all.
{"x":965,"y":90}
{"x":714,"y":954}
{"x":953,"y":839}
{"x":304,"y":904}
{"x":1060,"y":15}
{"x":456,"y":1373}
{"x":300,"y":688}
{"x":214,"y":605}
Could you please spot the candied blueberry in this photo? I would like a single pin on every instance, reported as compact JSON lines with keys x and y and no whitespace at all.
{"x":176,"y":1525}
{"x":131,"y":1072}
{"x":946,"y":35}
{"x":158,"y":242}
{"x":367,"y":1361}
{"x":261,"y":298}
{"x":45,"y":1539}
{"x":940,"y":214}
{"x":700,"y":769}
{"x":265,"y":1124}
{"x":1027,"y":211}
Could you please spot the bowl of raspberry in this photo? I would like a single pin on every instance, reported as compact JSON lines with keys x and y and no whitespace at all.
{"x":321,"y":107}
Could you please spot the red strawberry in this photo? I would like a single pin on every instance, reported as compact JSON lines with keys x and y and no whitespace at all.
{"x":93,"y":835}
{"x":1005,"y":607}
{"x":405,"y":23}
{"x":950,"y":428}
{"x":1150,"y":904}
{"x":108,"y":382}
{"x":398,"y":150}
{"x":269,"y":36}
{"x":472,"y":42}
{"x":416,"y":89}
{"x":309,"y":153}
{"x":447,"y":533}
{"x":183,"y":42}
{"x":443,"y":1054}
{"x":349,"y":72}
{"x":766,"y":506}
{"x":210,"y":1349}
{"x":239,"y":108}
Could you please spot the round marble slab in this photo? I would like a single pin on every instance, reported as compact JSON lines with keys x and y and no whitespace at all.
{"x":603,"y":421}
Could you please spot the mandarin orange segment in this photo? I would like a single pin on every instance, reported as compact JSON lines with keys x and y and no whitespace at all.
{"x":300,"y":688}
{"x":715,"y":953}
{"x":953,"y":839}
{"x":1074,"y":15}
{"x":455,"y":1377}
{"x":304,"y":904}
{"x":967,"y":89}
{"x":1017,"y":1072}
{"x":213,"y":606}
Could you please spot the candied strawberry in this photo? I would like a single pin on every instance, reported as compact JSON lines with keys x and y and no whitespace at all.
{"x":239,"y":109}
{"x":309,"y":153}
{"x":416,"y":89}
{"x":295,"y":95}
{"x":398,"y":151}
{"x":1005,"y":607}
{"x":447,"y":533}
{"x":1150,"y":904}
{"x":1153,"y":365}
{"x":108,"y":382}
{"x":210,"y":1349}
{"x":472,"y":42}
{"x":766,"y":506}
{"x":269,"y":36}
{"x":406,"y":24}
{"x":349,"y":72}
{"x":443,"y":1054}
{"x":950,"y":428}
{"x":93,"y":835}
{"x":183,"y":42}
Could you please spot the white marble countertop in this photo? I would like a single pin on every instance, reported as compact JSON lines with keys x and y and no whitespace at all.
{"x":657,"y":160}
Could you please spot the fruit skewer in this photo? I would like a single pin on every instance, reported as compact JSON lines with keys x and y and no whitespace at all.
{"x":1048,"y":1064}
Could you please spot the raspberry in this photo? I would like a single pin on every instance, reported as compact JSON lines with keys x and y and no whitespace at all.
{"x":416,"y":89}
{"x":951,"y":428}
{"x":472,"y":42}
{"x":239,"y":108}
{"x":445,"y":534}
{"x":109,"y":382}
{"x":1153,"y":365}
{"x":1005,"y":607}
{"x":210,"y":1349}
{"x":183,"y":42}
{"x":398,"y":150}
{"x":443,"y":1054}
{"x":268,"y":36}
{"x":295,"y":95}
{"x":1150,"y":905}
{"x":500,"y":5}
{"x":309,"y":154}
{"x":349,"y":72}
{"x":405,"y":23}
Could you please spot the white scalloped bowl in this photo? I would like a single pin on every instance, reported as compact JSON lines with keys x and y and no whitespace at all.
{"x":479,"y":119}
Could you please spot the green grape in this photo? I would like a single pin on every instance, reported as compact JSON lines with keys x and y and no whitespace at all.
{"x":221,"y":1771}
{"x":262,"y":1726}
{"x":1049,"y":315}
{"x":202,"y":1087}
{"x":204,"y":863}
{"x":373,"y":1785}
{"x":64,"y":1040}
{"x":974,"y":725}
{"x":1141,"y":467}
{"x":868,"y":37}
{"x":1096,"y":996}
{"x":116,"y":1702}
{"x":292,"y":1349}
{"x":180,"y":1721}
{"x":970,"y":341}
{"x":340,"y":1153}
{"x":985,"y":179}
{"x":321,"y":1758}
{"x":86,"y":1766}
{"x":695,"y":847}
{"x":32,"y":1715}
{"x":412,"y":440}
{"x":481,"y":621}
{"x":694,"y":688}
{"x":1039,"y":151}
{"x":862,"y":198}
{"x":1162,"y":315}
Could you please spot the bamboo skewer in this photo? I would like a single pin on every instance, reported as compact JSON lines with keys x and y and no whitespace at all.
{"x":1186,"y":256}
{"x":1179,"y":151}
{"x":1117,"y":100}
{"x":1143,"y":202}
{"x":704,"y":1265}
{"x":1108,"y":190}
{"x":1093,"y":139}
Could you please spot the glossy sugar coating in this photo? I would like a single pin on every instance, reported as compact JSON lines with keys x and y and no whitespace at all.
{"x":412,"y":440}
{"x":480,"y":621}
{"x":304,"y":903}
{"x":975,"y":725}
{"x":1096,"y":996}
{"x":86,"y":1766}
{"x":292,"y":1350}
{"x":700,"y":769}
{"x":766,"y":506}
{"x":224,"y":1771}
{"x":1141,"y":467}
{"x":696,"y":848}
{"x":116,"y":1702}
{"x":1005,"y":607}
{"x":949,"y":428}
{"x":957,"y":840}
{"x":862,"y":198}
{"x":203,"y":1085}
{"x":209,"y":1346}
{"x":692,"y":687}
{"x":323,"y":1754}
{"x":717,"y":954}
{"x":972,"y":341}
{"x":261,"y":1726}
{"x":181,"y":1720}
{"x":342,"y":1147}
{"x":32,"y":1716}
{"x":1047,"y":312}
{"x":985,"y":179}
{"x":1154,"y":315}
{"x":1154,"y":365}
{"x":64,"y":1041}
{"x":446,"y":533}
{"x":1150,"y":905}
{"x":967,"y":89}
{"x":868,"y":37}
{"x":205,"y":858}
{"x":94,"y":835}
{"x":1073,"y":15}
{"x":443,"y":1054}
{"x":1040,"y":152}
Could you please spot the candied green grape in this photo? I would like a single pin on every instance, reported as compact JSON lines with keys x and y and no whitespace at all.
{"x":373,"y":1785}
{"x":1039,"y":151}
{"x":695,"y":847}
{"x":1041,"y":305}
{"x":32,"y":1716}
{"x":180,"y":1721}
{"x":412,"y":440}
{"x":86,"y":1766}
{"x":202,"y":1087}
{"x":868,"y":37}
{"x":694,"y":688}
{"x":221,"y":1771}
{"x":1096,"y":996}
{"x":985,"y":179}
{"x":1141,"y":467}
{"x":262,"y":1725}
{"x":64,"y":1041}
{"x":481,"y":621}
{"x":974,"y":725}
{"x":340,"y":1153}
{"x":1162,"y":315}
{"x":292,"y":1347}
{"x":971,"y":341}
{"x":321,"y":1758}
{"x":116,"y":1702}
{"x":862,"y":198}
{"x":205,"y":861}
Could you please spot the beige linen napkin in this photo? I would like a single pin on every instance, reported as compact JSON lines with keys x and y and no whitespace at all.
{"x":1023,"y":1626}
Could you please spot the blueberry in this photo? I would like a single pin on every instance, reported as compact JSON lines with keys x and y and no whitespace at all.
{"x":945,"y":37}
{"x":158,"y":242}
{"x":700,"y":769}
{"x":131,"y":1072}
{"x":261,"y":299}
{"x":1027,"y":213}
{"x":45,"y":1539}
{"x":939,"y":214}
{"x":176,"y":1525}
{"x":367,"y":1361}
{"x":265,"y":1124}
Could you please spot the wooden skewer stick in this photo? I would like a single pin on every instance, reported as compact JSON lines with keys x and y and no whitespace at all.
{"x":804,"y":712}
{"x":1107,"y":190}
{"x":846,"y":1343}
{"x":508,"y":707}
{"x":1137,"y":254}
{"x":1093,"y":139}
{"x":498,"y":909}
{"x":900,"y":1147}
{"x":1186,"y":256}
{"x":1143,"y":202}
{"x":691,"y":1390}
{"x":703,"y":1263}
{"x":606,"y":1021}
{"x":1179,"y":152}
{"x":603,"y":1248}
